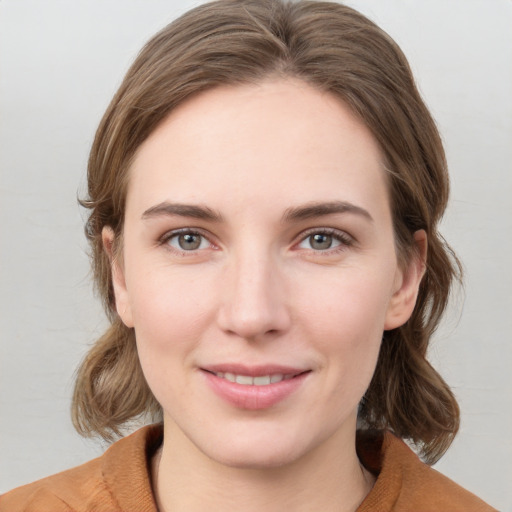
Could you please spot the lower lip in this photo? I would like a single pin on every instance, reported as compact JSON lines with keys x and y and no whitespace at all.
{"x":252,"y":397}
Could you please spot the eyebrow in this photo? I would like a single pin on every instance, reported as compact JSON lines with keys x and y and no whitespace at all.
{"x":311,"y":210}
{"x":183,"y":210}
{"x":307,"y":211}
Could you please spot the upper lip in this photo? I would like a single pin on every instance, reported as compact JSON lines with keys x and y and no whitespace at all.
{"x":254,"y":371}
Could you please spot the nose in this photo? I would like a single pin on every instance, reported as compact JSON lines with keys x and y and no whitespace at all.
{"x":253,"y":298}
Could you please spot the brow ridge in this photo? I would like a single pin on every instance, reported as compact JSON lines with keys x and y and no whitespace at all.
{"x":303,"y":212}
{"x":319,"y":209}
{"x":167,"y":208}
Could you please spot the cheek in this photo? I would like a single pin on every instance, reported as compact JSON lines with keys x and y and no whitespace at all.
{"x":353,"y":303}
{"x":347,"y":322}
{"x":170,"y":313}
{"x":169,"y":310}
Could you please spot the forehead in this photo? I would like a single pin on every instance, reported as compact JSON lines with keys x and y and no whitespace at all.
{"x":280,"y":139}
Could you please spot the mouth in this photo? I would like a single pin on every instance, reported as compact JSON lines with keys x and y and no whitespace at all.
{"x":261,"y":380}
{"x":254,"y":388}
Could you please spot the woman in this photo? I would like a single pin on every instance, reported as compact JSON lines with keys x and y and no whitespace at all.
{"x":265,"y":190}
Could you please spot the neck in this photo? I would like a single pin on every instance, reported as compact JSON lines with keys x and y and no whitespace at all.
{"x":329,"y":478}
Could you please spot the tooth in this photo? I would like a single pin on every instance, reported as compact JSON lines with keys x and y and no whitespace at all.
{"x":247,"y":380}
{"x":262,"y":381}
{"x":244,"y":379}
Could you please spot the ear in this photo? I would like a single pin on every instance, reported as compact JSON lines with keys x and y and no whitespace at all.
{"x":118,"y":280}
{"x":407,"y":284}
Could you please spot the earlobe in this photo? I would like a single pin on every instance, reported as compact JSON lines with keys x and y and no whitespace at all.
{"x":118,"y":279}
{"x":408,"y":281}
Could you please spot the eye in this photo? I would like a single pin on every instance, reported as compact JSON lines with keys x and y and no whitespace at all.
{"x":187,"y":241}
{"x":324,"y":240}
{"x":319,"y":242}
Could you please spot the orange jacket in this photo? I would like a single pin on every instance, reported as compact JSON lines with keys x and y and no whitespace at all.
{"x":119,"y":481}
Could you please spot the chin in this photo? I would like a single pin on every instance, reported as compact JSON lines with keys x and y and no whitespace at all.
{"x":263,"y":448}
{"x":256,"y":458}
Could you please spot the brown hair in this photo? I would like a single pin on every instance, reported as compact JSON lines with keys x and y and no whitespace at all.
{"x":335,"y":49}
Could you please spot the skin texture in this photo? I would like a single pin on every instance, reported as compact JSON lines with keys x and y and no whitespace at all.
{"x":259,"y":290}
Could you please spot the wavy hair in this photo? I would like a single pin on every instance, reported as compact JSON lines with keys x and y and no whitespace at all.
{"x":337,"y":50}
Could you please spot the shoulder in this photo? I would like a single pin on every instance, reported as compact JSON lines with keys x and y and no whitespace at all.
{"x":118,"y":480}
{"x":66,"y":491}
{"x":405,"y":483}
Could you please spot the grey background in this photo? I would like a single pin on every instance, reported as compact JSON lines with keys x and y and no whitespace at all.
{"x":60,"y":63}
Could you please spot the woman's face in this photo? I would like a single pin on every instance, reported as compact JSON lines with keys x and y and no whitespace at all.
{"x":258,"y":248}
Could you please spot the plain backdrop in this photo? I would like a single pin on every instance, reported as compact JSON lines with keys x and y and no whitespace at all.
{"x":60,"y":63}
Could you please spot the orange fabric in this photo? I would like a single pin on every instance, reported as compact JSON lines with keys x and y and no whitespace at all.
{"x":405,"y":484}
{"x":119,"y":481}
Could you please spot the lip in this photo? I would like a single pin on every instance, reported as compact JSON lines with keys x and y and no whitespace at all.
{"x":253,"y":371}
{"x":253,"y":397}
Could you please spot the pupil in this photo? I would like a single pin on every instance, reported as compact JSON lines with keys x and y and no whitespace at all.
{"x":320,"y":241}
{"x":189,"y":241}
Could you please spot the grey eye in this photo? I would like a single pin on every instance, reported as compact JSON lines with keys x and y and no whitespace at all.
{"x":320,"y":241}
{"x":188,"y":241}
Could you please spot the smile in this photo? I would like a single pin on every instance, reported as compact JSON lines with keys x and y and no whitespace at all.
{"x":248,"y":380}
{"x":254,"y":388}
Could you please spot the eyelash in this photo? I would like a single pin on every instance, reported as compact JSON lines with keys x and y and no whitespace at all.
{"x":343,"y":238}
{"x":165,"y":239}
